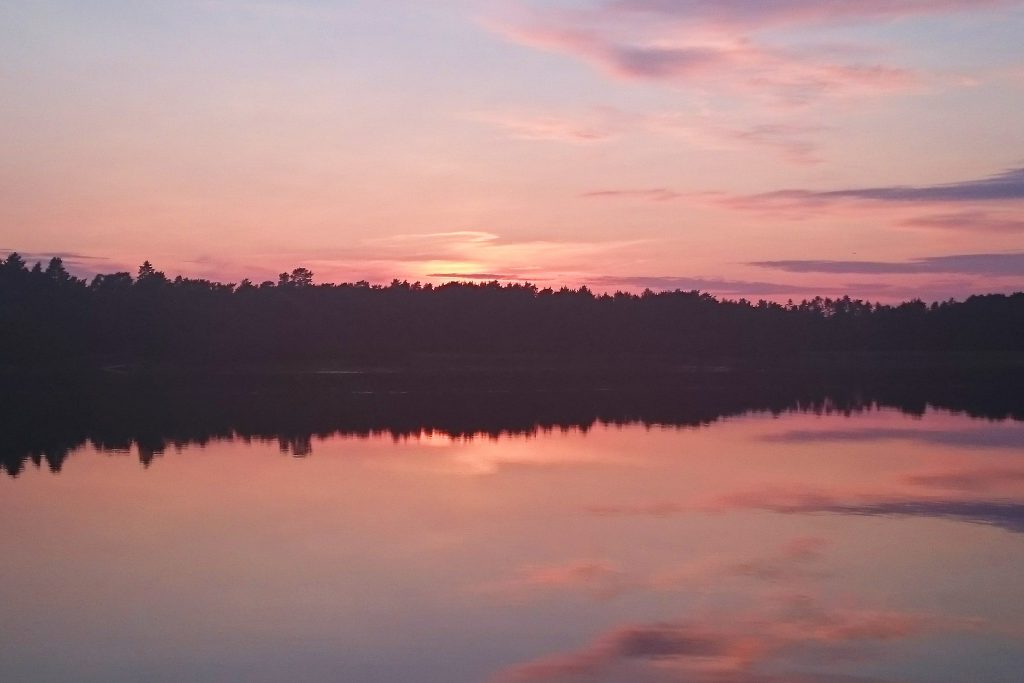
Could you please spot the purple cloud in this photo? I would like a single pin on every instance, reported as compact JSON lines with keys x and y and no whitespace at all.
{"x":1009,"y":265}
{"x":1002,"y":186}
{"x":966,"y":220}
{"x":714,"y":285}
{"x":1007,"y":186}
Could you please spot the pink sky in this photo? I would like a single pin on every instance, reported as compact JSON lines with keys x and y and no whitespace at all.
{"x":772,"y":149}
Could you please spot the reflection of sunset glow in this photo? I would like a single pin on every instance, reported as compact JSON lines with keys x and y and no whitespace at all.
{"x":435,"y":439}
{"x":734,"y":550}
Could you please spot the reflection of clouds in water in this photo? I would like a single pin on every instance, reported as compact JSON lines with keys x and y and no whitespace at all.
{"x":508,"y":562}
{"x":596,"y":578}
{"x":997,"y":437}
{"x":796,"y":563}
{"x":789,"y":632}
{"x":1008,"y":516}
{"x":953,"y":493}
{"x":489,"y":456}
{"x":1003,"y":514}
{"x":967,"y":480}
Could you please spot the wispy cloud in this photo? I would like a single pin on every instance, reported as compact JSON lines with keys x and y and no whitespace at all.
{"x":458,"y":236}
{"x":991,"y":204}
{"x":789,"y":140}
{"x":47,"y":255}
{"x":1004,"y":187}
{"x":756,"y":15}
{"x":657,"y":194}
{"x":596,"y":125}
{"x":487,"y":276}
{"x":81,"y":265}
{"x":730,"y":63}
{"x":596,"y":578}
{"x":971,"y":221}
{"x":793,"y":142}
{"x":718,"y":46}
{"x":712,"y":285}
{"x":1011,"y":264}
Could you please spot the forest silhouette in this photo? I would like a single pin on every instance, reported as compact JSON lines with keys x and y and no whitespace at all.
{"x":48,"y":316}
{"x":47,"y":419}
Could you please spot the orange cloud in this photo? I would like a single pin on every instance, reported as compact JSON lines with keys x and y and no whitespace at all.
{"x":596,"y":578}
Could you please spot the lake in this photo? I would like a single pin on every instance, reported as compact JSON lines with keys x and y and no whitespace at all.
{"x":756,"y":534}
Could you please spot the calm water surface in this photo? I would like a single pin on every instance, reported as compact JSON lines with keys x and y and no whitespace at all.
{"x":797,"y":548}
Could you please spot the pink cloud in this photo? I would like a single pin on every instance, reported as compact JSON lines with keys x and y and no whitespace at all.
{"x":733,"y":63}
{"x":791,"y":141}
{"x":758,"y":15}
{"x":658,"y":194}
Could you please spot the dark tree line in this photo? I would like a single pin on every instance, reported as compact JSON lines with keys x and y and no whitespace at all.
{"x":50,"y":316}
{"x":152,"y":414}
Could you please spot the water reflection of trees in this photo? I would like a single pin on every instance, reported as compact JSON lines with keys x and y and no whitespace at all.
{"x":45,"y":420}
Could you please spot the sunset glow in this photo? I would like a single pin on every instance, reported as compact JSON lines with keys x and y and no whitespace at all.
{"x":775,"y":149}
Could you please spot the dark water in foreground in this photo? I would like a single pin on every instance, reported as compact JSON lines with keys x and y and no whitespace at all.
{"x":705,"y":534}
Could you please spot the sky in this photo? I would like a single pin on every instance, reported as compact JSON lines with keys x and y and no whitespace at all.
{"x":751,"y":148}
